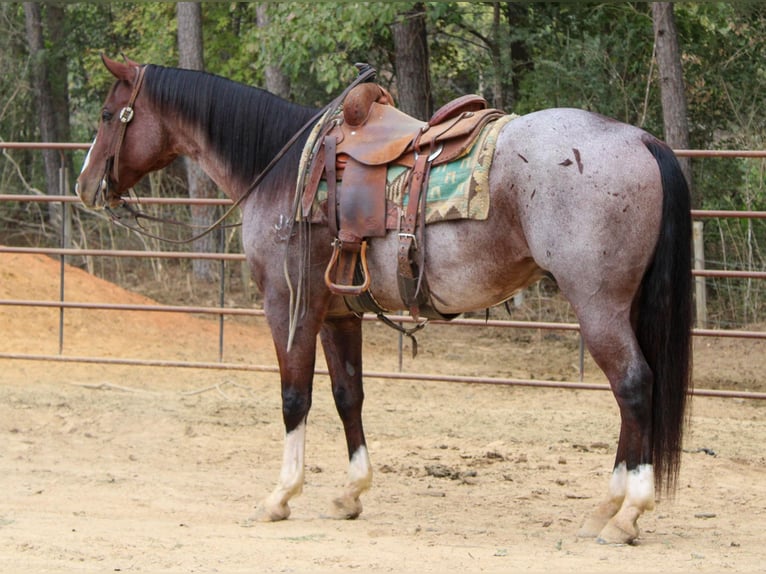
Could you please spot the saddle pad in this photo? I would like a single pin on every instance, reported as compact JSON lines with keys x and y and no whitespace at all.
{"x":456,"y":190}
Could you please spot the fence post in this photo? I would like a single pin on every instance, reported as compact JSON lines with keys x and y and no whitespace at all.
{"x":65,"y":242}
{"x":699,"y":283}
{"x":222,"y":292}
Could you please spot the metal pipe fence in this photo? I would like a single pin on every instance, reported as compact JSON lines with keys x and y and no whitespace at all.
{"x":65,"y":251}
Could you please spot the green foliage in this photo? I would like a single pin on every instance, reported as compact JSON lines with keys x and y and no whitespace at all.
{"x":461,"y":59}
{"x":725,"y":73}
{"x":593,"y":56}
{"x":314,"y":44}
{"x":15,"y":120}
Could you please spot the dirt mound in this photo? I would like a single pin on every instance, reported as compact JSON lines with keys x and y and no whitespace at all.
{"x":109,"y":333}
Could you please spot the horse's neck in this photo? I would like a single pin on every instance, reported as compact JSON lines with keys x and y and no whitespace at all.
{"x":191,"y":141}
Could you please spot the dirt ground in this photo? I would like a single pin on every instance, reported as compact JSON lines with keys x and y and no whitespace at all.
{"x":144,"y":469}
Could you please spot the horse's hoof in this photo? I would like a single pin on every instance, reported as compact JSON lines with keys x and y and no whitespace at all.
{"x":597,"y":521}
{"x":345,"y":508}
{"x":591,"y":528}
{"x":264,"y":514}
{"x":614,"y":535}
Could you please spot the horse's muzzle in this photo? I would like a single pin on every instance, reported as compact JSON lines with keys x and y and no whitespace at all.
{"x":97,"y":197}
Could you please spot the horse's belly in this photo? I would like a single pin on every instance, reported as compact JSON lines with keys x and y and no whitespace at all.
{"x":462,"y":275}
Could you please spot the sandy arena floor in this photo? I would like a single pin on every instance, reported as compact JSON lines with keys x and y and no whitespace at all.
{"x":138,"y":469}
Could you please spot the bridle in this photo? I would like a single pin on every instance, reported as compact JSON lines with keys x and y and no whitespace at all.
{"x":126,"y":116}
{"x":112,"y":164}
{"x":366,"y":73}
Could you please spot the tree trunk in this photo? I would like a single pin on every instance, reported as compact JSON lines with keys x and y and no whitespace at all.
{"x":57,"y":69}
{"x":42,"y":89}
{"x":496,"y":49}
{"x":276,"y":81}
{"x":412,"y":67}
{"x":672,"y":92}
{"x":190,"y":49}
{"x":190,"y":56}
{"x":49,"y":83}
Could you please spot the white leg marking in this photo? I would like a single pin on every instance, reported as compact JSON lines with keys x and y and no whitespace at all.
{"x":622,"y":528}
{"x":631,"y":492}
{"x":618,"y":484}
{"x":604,"y":512}
{"x":348,"y":505}
{"x":275,"y":505}
{"x":640,"y":487}
{"x":292,"y":474}
{"x":359,"y":472}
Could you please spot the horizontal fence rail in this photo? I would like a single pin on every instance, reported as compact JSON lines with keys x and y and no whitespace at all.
{"x":239,"y":257}
{"x":64,"y":252}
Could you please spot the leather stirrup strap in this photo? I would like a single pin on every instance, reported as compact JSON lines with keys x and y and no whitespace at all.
{"x":330,"y":144}
{"x":422,"y":292}
{"x":346,"y":249}
{"x":411,"y":254}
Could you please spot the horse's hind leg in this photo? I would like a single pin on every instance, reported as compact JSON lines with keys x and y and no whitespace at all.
{"x":342,"y":343}
{"x":631,"y":488}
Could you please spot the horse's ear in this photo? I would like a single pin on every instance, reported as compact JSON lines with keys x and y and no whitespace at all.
{"x":119,"y":70}
{"x":129,"y":62}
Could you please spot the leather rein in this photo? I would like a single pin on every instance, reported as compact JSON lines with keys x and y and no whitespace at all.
{"x":366,"y":73}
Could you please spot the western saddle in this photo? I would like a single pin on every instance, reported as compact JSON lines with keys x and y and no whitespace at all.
{"x":356,"y":147}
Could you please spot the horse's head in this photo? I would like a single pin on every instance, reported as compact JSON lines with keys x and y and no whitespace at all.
{"x":131,"y":140}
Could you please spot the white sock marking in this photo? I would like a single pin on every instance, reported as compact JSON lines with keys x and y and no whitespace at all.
{"x":291,"y":475}
{"x":618,"y":484}
{"x":640,"y":487}
{"x":360,"y":471}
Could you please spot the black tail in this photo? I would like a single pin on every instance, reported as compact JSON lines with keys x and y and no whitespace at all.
{"x":665,"y":318}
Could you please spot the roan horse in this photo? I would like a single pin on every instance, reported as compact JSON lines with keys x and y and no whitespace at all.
{"x":600,"y":205}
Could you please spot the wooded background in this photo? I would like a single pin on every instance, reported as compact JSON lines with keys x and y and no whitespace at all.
{"x":692,"y":73}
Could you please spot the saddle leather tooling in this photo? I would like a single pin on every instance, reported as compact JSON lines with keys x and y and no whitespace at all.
{"x":356,"y":148}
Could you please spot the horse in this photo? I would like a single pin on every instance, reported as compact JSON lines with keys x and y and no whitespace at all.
{"x":599,"y":205}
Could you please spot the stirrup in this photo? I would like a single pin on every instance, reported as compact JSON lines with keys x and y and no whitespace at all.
{"x":347,"y":290}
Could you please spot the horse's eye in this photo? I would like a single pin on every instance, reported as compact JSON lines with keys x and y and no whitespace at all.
{"x":106,"y":115}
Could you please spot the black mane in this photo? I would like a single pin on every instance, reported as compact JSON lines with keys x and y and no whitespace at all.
{"x":245,"y":125}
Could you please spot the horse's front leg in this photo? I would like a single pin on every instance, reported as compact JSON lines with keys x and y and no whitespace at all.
{"x":297,"y":373}
{"x":342,"y":343}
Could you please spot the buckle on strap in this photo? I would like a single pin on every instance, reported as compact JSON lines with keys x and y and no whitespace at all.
{"x":433,"y":155}
{"x":411,"y":237}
